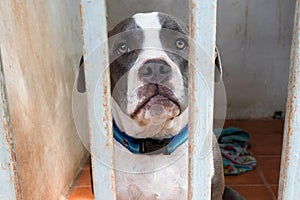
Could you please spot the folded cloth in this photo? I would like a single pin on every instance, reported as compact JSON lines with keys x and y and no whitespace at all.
{"x":234,"y":143}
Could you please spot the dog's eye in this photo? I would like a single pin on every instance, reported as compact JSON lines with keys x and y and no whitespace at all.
{"x":180,"y":43}
{"x":122,"y":49}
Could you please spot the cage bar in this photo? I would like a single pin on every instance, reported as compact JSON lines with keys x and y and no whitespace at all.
{"x":96,"y":62}
{"x":9,"y":182}
{"x":289,"y":183}
{"x":201,"y":92}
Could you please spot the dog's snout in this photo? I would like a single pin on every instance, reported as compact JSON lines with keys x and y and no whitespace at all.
{"x":155,"y":71}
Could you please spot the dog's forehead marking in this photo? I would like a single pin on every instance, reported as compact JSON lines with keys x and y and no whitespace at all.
{"x":151,"y":27}
{"x":147,"y":20}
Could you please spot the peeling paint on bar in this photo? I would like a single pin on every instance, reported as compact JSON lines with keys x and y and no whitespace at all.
{"x":290,"y":162}
{"x":93,"y":18}
{"x":202,"y":14}
{"x":9,"y":183}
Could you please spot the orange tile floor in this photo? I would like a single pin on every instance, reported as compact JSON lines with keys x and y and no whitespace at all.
{"x":259,"y":184}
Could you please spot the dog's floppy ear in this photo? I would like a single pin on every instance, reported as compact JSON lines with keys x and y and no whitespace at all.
{"x":81,"y":77}
{"x":218,"y":66}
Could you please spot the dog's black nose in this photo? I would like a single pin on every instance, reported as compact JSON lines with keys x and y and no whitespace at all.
{"x":155,"y":71}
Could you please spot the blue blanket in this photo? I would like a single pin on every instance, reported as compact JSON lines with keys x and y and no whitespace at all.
{"x":234,"y":144}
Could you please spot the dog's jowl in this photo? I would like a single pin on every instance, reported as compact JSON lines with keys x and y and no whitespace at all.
{"x":149,"y":86}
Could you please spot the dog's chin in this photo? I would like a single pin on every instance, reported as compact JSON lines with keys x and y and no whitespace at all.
{"x":158,"y":110}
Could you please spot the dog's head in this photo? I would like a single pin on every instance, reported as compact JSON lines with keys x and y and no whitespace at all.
{"x":149,"y":75}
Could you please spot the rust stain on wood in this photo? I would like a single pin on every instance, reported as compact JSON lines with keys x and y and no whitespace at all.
{"x":191,"y":148}
{"x":291,"y":101}
{"x":192,"y":19}
{"x":14,"y":179}
{"x":113,"y":186}
{"x":82,"y":25}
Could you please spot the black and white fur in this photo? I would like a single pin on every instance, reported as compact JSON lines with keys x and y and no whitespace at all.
{"x":150,"y":104}
{"x":132,"y":91}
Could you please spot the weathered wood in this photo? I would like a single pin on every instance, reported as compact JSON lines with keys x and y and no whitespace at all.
{"x":290,"y":162}
{"x":9,"y":182}
{"x":99,"y":98}
{"x":201,"y":91}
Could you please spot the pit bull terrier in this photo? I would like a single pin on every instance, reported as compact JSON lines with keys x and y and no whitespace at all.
{"x":149,"y":87}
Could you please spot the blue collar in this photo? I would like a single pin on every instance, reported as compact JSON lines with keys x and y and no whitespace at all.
{"x":149,"y":145}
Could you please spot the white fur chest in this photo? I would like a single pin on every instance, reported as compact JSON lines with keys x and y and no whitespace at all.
{"x":152,"y":177}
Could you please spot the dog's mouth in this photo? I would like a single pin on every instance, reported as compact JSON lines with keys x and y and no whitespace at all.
{"x":158,"y":103}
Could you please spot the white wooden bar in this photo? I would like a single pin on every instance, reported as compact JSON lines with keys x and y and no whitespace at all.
{"x":202,"y":14}
{"x":9,"y":183}
{"x":99,"y":99}
{"x":289,"y":185}
{"x":203,"y":32}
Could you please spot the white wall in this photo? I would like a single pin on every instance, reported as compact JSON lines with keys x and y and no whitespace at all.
{"x":121,"y":9}
{"x":254,"y":39}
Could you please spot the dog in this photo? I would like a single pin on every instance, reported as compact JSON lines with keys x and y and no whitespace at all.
{"x":149,"y":86}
